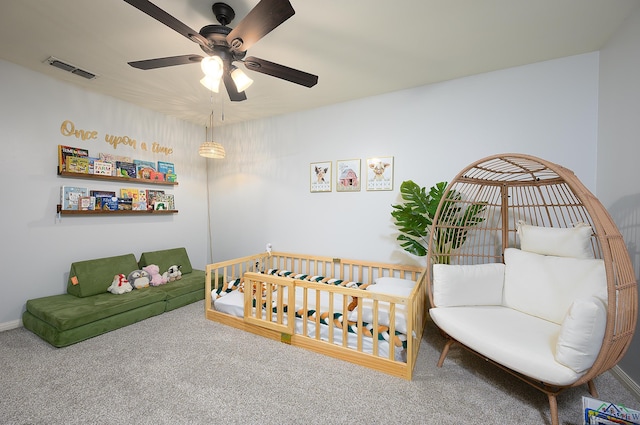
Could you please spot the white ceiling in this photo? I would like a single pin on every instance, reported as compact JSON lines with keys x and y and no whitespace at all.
{"x":358,"y":48}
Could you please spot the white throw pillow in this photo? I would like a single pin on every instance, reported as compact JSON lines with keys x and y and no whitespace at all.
{"x":460,"y":285}
{"x":581,"y":334}
{"x":390,"y":286}
{"x":545,"y":286}
{"x":563,"y":242}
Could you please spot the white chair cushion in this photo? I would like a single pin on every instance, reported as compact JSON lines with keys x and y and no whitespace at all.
{"x":546,"y":286}
{"x":563,"y":242}
{"x":581,"y":334}
{"x":457,"y":285}
{"x":516,"y":340}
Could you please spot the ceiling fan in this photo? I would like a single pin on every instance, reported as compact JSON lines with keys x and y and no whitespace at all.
{"x":228,"y":45}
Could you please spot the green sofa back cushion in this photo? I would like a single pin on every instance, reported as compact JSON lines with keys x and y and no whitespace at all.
{"x":167,"y":258}
{"x":93,"y":277}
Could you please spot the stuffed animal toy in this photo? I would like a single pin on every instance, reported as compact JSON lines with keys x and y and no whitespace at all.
{"x":120,"y":285}
{"x":156,"y":279}
{"x":173,"y":273}
{"x":139,"y":279}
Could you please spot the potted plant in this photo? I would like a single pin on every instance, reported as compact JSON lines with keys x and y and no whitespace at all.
{"x":415,"y":216}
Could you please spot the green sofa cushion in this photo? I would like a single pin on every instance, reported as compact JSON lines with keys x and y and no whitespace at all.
{"x":66,"y":311}
{"x":59,"y":338}
{"x":191,"y":282}
{"x":167,"y":258}
{"x":92,"y":277}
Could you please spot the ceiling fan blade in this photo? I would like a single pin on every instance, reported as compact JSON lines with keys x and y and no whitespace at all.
{"x":260,"y":21}
{"x":160,"y":15}
{"x":280,"y":71}
{"x":163,"y":62}
{"x":234,"y":95}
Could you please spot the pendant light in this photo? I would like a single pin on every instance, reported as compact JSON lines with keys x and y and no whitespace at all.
{"x":211,"y":149}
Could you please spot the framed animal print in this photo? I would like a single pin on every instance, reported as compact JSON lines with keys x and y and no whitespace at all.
{"x":320,"y":176}
{"x":380,"y":173}
{"x":348,"y":175}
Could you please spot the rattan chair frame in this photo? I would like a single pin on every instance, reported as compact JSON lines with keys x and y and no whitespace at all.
{"x":516,"y":187}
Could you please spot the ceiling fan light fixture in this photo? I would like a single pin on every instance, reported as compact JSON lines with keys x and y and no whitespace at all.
{"x":212,"y":84}
{"x":212,"y":150}
{"x":240,"y":79}
{"x":212,"y":66}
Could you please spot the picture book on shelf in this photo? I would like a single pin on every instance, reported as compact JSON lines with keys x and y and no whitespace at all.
{"x":167,"y":199}
{"x":99,"y":194}
{"x":126,"y":169}
{"x":112,"y":159}
{"x":87,"y":203}
{"x":156,"y":175}
{"x":166,"y":167}
{"x":102,"y":168}
{"x":67,"y":151}
{"x":69,"y":196}
{"x":109,"y":203}
{"x":130,"y":192}
{"x":141,"y":203}
{"x":78,"y":164}
{"x":149,"y":164}
{"x":144,"y":172}
{"x":125,"y":204}
{"x":151,"y":197}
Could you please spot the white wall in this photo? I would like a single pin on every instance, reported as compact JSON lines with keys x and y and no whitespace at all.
{"x":618,"y":184}
{"x":37,"y":249}
{"x":260,"y":192}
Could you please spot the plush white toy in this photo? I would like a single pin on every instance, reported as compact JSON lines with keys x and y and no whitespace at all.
{"x":120,"y":285}
{"x":173,"y":273}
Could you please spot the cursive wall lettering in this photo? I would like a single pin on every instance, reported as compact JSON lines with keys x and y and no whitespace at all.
{"x":69,"y":129}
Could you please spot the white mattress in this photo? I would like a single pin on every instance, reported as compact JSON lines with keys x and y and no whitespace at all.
{"x":233,"y":304}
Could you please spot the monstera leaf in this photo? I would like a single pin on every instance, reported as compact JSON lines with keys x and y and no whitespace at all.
{"x":415,"y":216}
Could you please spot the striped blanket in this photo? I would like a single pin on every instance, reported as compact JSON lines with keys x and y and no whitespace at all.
{"x":326,"y":318}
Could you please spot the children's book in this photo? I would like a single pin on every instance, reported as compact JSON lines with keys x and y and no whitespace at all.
{"x":78,"y":164}
{"x":131,"y":193}
{"x":156,"y":175}
{"x":69,"y":196}
{"x":125,"y":204}
{"x":99,"y":194}
{"x":144,"y":172}
{"x":141,"y":203}
{"x":66,"y":151}
{"x":149,"y":164}
{"x":102,"y":168}
{"x":126,"y":169}
{"x":598,"y":412}
{"x":171,"y":177}
{"x":87,"y":203}
{"x":167,"y":199}
{"x":166,"y":167}
{"x":108,"y":157}
{"x":151,"y":197}
{"x":109,"y":203}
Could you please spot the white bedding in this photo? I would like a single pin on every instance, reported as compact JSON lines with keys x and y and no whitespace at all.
{"x":233,"y":304}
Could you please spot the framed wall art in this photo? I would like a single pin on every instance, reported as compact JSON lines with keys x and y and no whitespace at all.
{"x":348,"y":175}
{"x":380,"y":173}
{"x":320,"y":173}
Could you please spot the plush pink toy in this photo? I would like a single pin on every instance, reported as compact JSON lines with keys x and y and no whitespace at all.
{"x":154,"y":273}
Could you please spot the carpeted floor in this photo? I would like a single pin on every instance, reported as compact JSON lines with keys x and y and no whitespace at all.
{"x":179,"y":368}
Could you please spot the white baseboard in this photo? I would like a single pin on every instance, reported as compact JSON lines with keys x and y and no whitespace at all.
{"x":10,"y":325}
{"x":626,"y":381}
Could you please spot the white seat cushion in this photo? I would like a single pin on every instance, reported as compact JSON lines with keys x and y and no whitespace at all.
{"x":546,"y":286}
{"x":560,"y":241}
{"x":520,"y":342}
{"x":477,"y":284}
{"x":581,"y":334}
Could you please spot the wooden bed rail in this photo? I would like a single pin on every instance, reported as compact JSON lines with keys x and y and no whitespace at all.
{"x":270,"y":306}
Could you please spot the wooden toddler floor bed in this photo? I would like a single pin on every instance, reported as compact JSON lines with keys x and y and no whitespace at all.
{"x":269,"y":294}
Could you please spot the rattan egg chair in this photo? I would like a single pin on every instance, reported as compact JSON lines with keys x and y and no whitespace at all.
{"x":516,"y":187}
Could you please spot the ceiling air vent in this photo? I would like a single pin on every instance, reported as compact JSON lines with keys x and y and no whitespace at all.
{"x":70,"y":68}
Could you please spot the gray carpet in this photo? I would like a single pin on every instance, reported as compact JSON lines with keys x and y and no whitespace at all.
{"x":180,"y":368}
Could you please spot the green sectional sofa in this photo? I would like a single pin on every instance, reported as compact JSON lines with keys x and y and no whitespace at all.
{"x":88,"y":310}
